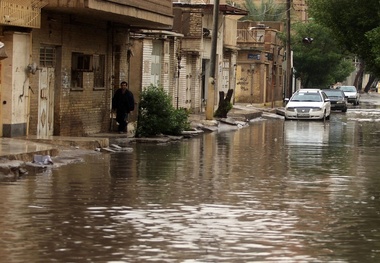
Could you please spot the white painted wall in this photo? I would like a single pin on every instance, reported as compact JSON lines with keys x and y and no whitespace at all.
{"x":15,"y":82}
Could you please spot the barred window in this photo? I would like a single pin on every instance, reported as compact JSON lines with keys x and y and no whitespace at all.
{"x":99,"y":63}
{"x":47,"y":56}
{"x":81,"y":63}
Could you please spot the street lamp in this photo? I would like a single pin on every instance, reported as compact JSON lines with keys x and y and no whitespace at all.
{"x":307,"y":40}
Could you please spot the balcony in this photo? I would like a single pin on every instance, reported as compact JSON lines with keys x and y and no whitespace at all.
{"x":251,"y":39}
{"x":147,"y":14}
{"x":22,"y":13}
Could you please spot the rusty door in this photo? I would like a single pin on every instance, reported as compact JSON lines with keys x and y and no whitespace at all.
{"x":45,"y":102}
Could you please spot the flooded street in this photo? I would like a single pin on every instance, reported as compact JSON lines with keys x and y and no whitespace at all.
{"x":294,"y":191}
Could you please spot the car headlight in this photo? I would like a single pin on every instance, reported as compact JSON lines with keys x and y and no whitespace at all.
{"x":317,"y":109}
{"x":290,"y":109}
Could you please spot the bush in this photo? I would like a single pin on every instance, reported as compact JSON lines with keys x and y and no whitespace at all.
{"x":158,"y":116}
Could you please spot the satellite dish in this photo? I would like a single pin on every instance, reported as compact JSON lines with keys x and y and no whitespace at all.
{"x":32,"y":68}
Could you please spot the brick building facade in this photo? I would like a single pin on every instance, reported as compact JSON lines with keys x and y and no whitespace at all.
{"x":195,"y":22}
{"x":65,"y":61}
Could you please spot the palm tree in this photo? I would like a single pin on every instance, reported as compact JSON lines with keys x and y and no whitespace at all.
{"x":268,"y":10}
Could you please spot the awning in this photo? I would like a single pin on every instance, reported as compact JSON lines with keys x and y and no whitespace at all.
{"x":225,"y":9}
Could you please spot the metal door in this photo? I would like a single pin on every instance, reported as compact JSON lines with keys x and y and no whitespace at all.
{"x":45,"y":102}
{"x":155,"y":77}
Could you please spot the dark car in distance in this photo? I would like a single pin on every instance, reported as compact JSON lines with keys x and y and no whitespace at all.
{"x":337,"y":98}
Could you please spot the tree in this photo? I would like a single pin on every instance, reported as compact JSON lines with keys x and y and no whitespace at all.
{"x":157,"y":115}
{"x":318,"y":58}
{"x":355,"y":23}
{"x":268,"y":10}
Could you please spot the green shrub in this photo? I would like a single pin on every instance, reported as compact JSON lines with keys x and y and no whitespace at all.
{"x":158,"y":116}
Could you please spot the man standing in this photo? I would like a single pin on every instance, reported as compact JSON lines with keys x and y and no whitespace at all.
{"x":123,"y":102}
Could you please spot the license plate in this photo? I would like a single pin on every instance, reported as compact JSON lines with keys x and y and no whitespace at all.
{"x":303,"y":115}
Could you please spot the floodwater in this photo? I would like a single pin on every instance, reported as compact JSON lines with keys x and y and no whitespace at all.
{"x":294,"y":191}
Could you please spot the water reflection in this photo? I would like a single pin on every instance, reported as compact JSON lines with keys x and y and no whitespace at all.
{"x":273,"y":192}
{"x":306,"y":133}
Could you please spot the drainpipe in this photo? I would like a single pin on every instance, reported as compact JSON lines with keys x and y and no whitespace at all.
{"x":129,"y":54}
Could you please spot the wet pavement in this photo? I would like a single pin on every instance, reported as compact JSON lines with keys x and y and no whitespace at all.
{"x":24,"y":148}
{"x":275,"y":191}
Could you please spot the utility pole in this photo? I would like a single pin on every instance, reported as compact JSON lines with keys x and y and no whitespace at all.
{"x":211,"y":79}
{"x":288,"y":88}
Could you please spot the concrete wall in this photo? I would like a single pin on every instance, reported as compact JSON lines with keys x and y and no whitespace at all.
{"x":230,"y":27}
{"x":149,"y":13}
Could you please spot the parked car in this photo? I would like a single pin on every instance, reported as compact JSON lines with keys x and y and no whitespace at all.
{"x":337,"y":98}
{"x":310,"y":104}
{"x":351,"y":93}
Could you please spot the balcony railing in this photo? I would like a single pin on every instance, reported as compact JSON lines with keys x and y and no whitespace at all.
{"x":250,"y":36}
{"x":22,"y":13}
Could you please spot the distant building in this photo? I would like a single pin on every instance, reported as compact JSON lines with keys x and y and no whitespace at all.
{"x":260,"y":69}
{"x":195,"y":21}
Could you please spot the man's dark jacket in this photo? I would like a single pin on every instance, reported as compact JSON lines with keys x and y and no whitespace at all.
{"x":123,"y":102}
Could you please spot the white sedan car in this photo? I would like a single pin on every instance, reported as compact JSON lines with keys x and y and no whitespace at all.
{"x":308,"y":104}
{"x":351,"y":93}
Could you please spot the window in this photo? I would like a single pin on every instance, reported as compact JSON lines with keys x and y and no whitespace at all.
{"x":79,"y":63}
{"x":99,"y":62}
{"x":47,"y":56}
{"x":82,"y":63}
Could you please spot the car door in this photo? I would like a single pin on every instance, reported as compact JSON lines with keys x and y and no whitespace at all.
{"x":326,"y":103}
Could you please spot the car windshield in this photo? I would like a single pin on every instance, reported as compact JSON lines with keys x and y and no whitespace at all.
{"x":333,"y":93}
{"x":314,"y":97}
{"x":348,"y":88}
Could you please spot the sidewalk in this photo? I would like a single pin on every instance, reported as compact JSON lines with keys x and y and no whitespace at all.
{"x":21,"y":149}
{"x":24,"y":148}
